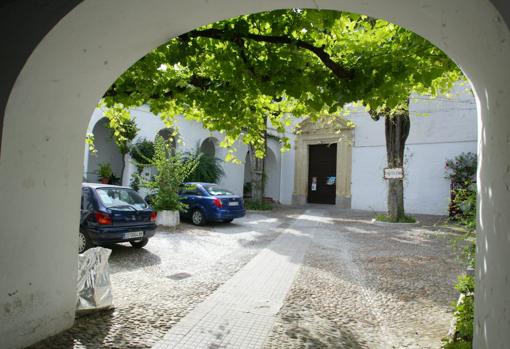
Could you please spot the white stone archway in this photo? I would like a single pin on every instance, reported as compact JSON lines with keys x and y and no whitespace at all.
{"x":272,"y":172}
{"x":54,"y":95}
{"x":107,"y":152}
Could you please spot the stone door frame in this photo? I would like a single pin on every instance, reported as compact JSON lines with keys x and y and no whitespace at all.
{"x":313,"y":134}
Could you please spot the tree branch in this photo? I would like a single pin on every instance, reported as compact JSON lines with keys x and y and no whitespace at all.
{"x":212,"y":33}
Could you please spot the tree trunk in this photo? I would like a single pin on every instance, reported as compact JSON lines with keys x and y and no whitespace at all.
{"x":396,"y":130}
{"x":257,"y":171}
{"x":257,"y":177}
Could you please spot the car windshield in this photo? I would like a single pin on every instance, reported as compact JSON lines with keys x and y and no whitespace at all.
{"x":121,"y":198}
{"x":215,"y":190}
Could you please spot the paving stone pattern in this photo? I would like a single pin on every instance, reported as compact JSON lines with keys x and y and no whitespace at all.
{"x":148,"y":300}
{"x":241,"y":313}
{"x":322,"y":278}
{"x":366,"y":286}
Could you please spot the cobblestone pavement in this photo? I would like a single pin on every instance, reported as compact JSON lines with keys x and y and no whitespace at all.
{"x":368,"y":286}
{"x":360,"y":285}
{"x":153,"y":288}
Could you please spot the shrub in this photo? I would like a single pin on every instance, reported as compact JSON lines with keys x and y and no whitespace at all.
{"x":104,"y":171}
{"x":208,"y":168}
{"x":172,"y":168}
{"x":462,"y":168}
{"x":464,"y":315}
{"x":461,"y":171}
{"x":142,"y":152}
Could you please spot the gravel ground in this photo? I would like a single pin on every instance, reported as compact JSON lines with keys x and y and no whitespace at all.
{"x":369,"y":286}
{"x":156,"y":286}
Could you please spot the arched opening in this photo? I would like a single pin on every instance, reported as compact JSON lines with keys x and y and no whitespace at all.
{"x":107,"y":154}
{"x":247,"y":176}
{"x":169,"y":135}
{"x":272,"y":176}
{"x":208,"y":146}
{"x":75,"y":63}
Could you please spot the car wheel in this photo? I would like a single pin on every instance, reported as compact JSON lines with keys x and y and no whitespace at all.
{"x":84,"y":242}
{"x":228,"y":220}
{"x":197,"y":217}
{"x":139,"y":243}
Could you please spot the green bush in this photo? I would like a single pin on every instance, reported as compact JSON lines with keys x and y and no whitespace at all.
{"x":462,"y":171}
{"x":465,"y":201}
{"x":105,"y":171}
{"x":208,"y":169}
{"x":464,"y":314}
{"x":142,"y":152}
{"x":172,"y":168}
{"x":462,"y":168}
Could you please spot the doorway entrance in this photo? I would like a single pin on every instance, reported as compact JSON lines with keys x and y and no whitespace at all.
{"x":322,"y":174}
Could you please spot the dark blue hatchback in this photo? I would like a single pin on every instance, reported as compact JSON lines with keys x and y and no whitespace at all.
{"x":208,"y":202}
{"x":111,"y":214}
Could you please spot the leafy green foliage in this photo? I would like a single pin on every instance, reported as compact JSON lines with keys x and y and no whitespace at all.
{"x":89,"y":141}
{"x":172,"y":168}
{"x":462,"y":171}
{"x":105,"y":171}
{"x":208,"y":169}
{"x":464,"y":314}
{"x":462,"y":168}
{"x":123,"y":128}
{"x":142,"y":153}
{"x":234,"y":74}
{"x":465,"y":201}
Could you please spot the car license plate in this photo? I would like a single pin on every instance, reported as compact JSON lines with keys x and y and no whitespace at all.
{"x":133,"y":234}
{"x":233,"y":203}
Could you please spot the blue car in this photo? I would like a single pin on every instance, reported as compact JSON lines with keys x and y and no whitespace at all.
{"x":207,"y":202}
{"x":111,"y":214}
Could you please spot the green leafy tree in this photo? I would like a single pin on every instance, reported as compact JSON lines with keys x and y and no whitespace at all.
{"x":172,"y":168}
{"x":237,"y":75}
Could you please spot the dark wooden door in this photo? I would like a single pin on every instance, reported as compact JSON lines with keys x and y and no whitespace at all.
{"x":322,"y":174}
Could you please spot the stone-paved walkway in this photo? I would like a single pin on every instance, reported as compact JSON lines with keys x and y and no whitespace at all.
{"x":367,"y":286}
{"x":241,"y":313}
{"x":155,"y":287}
{"x":323,"y":278}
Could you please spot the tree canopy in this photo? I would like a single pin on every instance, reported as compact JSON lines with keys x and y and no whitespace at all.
{"x":235,"y":74}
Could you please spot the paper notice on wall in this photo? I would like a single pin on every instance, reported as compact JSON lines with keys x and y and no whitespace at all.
{"x":314,"y":184}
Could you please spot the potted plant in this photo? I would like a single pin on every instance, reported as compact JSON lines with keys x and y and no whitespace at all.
{"x":105,"y":173}
{"x":171,"y":170}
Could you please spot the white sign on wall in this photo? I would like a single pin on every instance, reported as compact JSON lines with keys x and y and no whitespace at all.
{"x":394,"y":173}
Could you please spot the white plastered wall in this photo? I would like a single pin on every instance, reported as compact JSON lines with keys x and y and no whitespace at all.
{"x":191,"y":134}
{"x":441,"y":129}
{"x":51,"y":102}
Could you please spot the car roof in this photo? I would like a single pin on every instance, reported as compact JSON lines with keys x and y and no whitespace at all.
{"x":100,"y":185}
{"x":199,"y":183}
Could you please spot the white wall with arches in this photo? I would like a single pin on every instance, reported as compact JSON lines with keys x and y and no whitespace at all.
{"x":190,"y":136}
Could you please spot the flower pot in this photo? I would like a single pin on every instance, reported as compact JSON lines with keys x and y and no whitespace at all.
{"x":105,"y":180}
{"x":168,"y":218}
